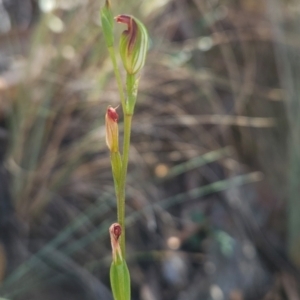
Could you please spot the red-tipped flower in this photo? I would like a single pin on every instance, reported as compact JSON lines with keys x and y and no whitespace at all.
{"x":119,"y":274}
{"x":112,"y":131}
{"x":133,"y":44}
{"x":115,"y":231}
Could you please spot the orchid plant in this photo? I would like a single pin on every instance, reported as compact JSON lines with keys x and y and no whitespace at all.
{"x":133,"y":48}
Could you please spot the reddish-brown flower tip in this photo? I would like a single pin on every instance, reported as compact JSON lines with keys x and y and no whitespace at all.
{"x":131,"y":31}
{"x":115,"y":230}
{"x":123,"y":19}
{"x":112,"y":113}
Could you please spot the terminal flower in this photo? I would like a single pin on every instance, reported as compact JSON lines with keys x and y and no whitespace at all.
{"x":133,"y":44}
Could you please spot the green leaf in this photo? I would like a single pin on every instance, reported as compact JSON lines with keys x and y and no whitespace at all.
{"x":120,"y":280}
{"x":107,"y":21}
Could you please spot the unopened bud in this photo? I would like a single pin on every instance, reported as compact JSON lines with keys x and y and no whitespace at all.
{"x":133,"y":44}
{"x":119,"y":274}
{"x":115,"y":231}
{"x":112,"y":131}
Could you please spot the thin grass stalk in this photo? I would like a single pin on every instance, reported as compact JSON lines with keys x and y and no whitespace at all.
{"x":288,"y":63}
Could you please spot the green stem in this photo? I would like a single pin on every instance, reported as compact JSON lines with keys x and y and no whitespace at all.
{"x":129,"y":109}
{"x":131,"y":87}
{"x":116,"y":165}
{"x":118,"y":76}
{"x":127,"y":128}
{"x":121,"y":195}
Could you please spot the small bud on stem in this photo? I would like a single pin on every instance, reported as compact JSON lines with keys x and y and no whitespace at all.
{"x":115,"y":231}
{"x":112,"y":131}
{"x":119,"y":274}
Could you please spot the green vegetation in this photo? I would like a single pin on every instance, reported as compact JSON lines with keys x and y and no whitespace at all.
{"x":133,"y":50}
{"x":211,"y":171}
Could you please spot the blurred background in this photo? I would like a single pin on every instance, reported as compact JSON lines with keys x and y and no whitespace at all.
{"x":213,"y":210}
